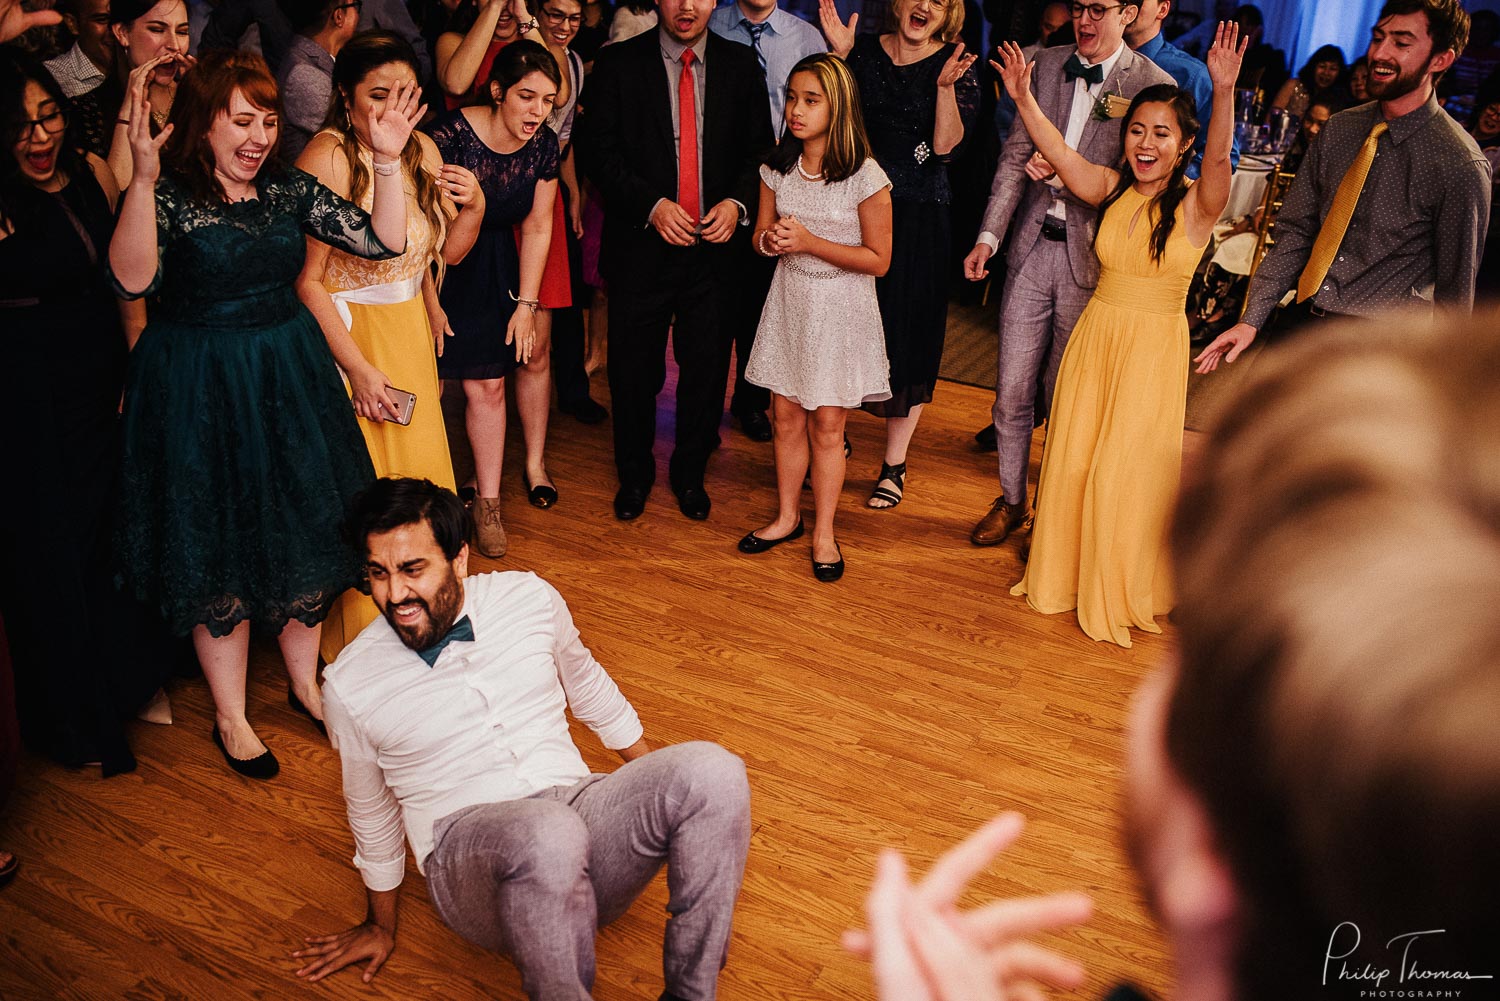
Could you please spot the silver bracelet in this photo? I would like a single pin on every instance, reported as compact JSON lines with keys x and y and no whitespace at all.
{"x":387,"y":169}
{"x":760,"y":244}
{"x":534,"y":304}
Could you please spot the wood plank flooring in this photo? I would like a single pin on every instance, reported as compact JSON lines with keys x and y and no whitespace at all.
{"x":902,"y":706}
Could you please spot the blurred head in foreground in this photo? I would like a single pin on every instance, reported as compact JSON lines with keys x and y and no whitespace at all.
{"x":1317,"y":779}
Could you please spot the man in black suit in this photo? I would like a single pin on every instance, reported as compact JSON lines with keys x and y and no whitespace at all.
{"x":669,"y":223}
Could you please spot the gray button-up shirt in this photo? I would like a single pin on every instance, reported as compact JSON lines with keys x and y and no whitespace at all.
{"x":1417,"y":230}
{"x":305,"y":80}
{"x":671,"y":54}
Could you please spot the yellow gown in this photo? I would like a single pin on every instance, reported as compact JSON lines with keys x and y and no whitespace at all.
{"x":1113,"y":459}
{"x":381,"y":301}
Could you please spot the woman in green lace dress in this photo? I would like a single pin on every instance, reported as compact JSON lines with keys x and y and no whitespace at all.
{"x":241,"y":449}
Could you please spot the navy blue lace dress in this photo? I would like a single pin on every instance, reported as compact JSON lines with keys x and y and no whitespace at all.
{"x":241,"y":448}
{"x":477,"y":292}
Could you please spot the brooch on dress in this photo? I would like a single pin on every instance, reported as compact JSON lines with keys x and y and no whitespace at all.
{"x":922,"y":152}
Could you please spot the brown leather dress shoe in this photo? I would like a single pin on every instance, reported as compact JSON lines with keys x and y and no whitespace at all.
{"x":489,"y":530}
{"x":998,"y":523}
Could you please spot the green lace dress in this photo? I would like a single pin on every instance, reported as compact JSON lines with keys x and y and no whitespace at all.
{"x":241,"y":447}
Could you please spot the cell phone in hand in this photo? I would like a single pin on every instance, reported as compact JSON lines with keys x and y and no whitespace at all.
{"x":405,"y":404}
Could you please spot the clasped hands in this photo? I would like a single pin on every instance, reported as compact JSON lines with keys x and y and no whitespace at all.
{"x":786,"y":236}
{"x":680,"y":229}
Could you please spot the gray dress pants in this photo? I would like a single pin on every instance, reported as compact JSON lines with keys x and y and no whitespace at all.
{"x":534,"y":878}
{"x":1041,"y":305}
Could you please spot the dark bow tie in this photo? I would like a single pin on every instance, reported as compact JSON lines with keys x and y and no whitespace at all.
{"x":1074,"y":68}
{"x":462,"y":630}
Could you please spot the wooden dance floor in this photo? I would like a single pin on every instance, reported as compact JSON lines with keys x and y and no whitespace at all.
{"x":902,"y":706}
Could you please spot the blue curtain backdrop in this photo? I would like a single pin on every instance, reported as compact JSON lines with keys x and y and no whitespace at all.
{"x":1298,"y":27}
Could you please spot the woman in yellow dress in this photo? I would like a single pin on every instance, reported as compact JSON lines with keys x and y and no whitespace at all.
{"x":1114,"y":440}
{"x":381,"y":317}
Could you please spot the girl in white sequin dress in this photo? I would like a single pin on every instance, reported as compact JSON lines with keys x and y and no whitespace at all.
{"x":825,"y":211}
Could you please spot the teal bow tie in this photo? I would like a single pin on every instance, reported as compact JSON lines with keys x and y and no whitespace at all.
{"x":1074,"y":68}
{"x":463,"y":630}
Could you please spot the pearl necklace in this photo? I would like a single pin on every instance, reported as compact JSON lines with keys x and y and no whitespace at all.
{"x":805,"y":175}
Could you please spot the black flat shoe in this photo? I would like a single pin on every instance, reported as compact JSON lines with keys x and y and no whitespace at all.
{"x":753,"y":543}
{"x":297,"y":706}
{"x":262,"y":766}
{"x":542,"y":495}
{"x":985,"y":440}
{"x":467,"y":495}
{"x":830,"y":572}
{"x":694,"y":503}
{"x":630,"y":502}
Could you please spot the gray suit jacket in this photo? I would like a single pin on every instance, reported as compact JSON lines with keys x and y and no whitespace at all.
{"x":1016,"y":200}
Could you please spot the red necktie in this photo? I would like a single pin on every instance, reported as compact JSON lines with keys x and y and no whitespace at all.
{"x":687,"y":143}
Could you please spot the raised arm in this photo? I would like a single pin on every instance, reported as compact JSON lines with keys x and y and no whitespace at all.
{"x":948,"y":130}
{"x":389,"y":132}
{"x":1089,"y":182}
{"x":368,"y":385}
{"x":458,"y":56}
{"x":840,"y":35}
{"x":134,"y":255}
{"x":1206,"y":200}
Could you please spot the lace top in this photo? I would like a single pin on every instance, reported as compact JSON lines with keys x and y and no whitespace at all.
{"x":234,"y":264}
{"x":508,"y":179}
{"x":346,"y":271}
{"x":900,"y":105}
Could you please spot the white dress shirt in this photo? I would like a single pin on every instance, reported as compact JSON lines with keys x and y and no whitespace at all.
{"x":485,"y":724}
{"x":1084,"y":96}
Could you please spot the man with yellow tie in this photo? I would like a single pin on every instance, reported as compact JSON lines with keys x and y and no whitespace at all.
{"x":1390,"y":206}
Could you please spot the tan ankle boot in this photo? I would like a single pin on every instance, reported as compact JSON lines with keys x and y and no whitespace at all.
{"x":489,"y":531}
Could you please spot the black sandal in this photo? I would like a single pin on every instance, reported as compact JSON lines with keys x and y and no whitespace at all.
{"x":897,"y":475}
{"x":807,"y":480}
{"x":542,"y":495}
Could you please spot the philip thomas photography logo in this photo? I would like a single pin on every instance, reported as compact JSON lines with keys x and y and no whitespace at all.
{"x":1406,"y":976}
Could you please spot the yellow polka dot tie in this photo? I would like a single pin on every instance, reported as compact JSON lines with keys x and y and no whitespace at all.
{"x":1326,"y":246}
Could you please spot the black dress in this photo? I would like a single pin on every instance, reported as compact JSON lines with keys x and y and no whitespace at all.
{"x":86,"y":657}
{"x":900,"y":110}
{"x":477,"y":292}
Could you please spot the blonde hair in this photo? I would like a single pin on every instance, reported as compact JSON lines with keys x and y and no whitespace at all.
{"x":948,"y":31}
{"x":1338,"y":559}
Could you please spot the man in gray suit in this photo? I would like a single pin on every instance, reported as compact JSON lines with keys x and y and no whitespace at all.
{"x":1083,"y":90}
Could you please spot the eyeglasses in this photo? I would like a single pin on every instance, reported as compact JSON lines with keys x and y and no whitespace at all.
{"x":556,"y":17}
{"x":51,"y":124}
{"x":1096,"y":11}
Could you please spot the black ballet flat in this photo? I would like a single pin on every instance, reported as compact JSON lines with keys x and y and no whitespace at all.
{"x":829,"y":572}
{"x":262,"y":766}
{"x":541,"y":495}
{"x":296,"y":704}
{"x":754,"y":544}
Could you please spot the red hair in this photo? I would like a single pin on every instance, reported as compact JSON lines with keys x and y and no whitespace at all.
{"x":202,"y":96}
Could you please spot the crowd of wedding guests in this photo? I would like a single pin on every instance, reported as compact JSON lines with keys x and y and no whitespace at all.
{"x":241,"y":249}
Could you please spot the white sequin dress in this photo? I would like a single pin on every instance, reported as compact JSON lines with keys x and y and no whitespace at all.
{"x":820,"y":342}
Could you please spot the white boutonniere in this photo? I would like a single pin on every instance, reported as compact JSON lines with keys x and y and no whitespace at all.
{"x":1110,"y":105}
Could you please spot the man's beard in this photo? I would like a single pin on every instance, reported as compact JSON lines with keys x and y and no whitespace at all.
{"x":439,"y":618}
{"x":1397,"y":86}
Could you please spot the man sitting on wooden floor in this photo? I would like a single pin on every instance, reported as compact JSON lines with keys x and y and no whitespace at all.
{"x":448,"y":714}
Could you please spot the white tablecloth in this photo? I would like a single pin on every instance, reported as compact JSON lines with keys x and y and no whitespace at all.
{"x":1248,"y":189}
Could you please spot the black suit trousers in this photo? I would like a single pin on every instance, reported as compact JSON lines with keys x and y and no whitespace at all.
{"x":568,"y":372}
{"x":686,"y":296}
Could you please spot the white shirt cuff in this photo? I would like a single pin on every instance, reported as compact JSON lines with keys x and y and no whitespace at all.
{"x":381,"y":876}
{"x":989,"y":240}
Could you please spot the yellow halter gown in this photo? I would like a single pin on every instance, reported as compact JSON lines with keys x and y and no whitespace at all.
{"x":1113,"y":458}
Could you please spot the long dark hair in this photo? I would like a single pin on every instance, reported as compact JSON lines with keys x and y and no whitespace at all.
{"x":17,"y":69}
{"x":848,"y":144}
{"x":361,"y":55}
{"x":1164,"y":206}
{"x":1308,"y":74}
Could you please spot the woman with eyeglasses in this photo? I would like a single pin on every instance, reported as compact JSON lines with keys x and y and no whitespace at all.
{"x":920,"y":96}
{"x":479,"y":29}
{"x":65,"y":365}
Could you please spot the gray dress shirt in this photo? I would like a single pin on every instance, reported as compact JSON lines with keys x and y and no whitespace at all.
{"x":305,"y":80}
{"x":1417,"y":231}
{"x":671,"y":54}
